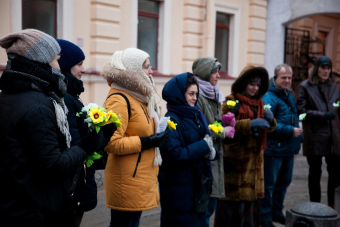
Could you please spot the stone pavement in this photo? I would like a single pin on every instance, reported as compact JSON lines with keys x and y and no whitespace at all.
{"x":297,"y":193}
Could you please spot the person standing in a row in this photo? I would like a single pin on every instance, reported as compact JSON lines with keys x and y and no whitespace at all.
{"x":244,"y":182}
{"x":185,"y":177}
{"x":36,"y":156}
{"x":283,"y":144}
{"x":206,"y":71}
{"x":132,"y":166}
{"x":321,"y":128}
{"x":84,"y":187}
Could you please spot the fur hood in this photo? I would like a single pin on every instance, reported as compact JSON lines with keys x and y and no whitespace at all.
{"x":247,"y":73}
{"x":134,"y":81}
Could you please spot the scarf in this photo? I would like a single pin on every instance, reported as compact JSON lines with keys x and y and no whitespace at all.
{"x":144,"y":99}
{"x":74,"y":86}
{"x":189,"y":112}
{"x":209,"y":91}
{"x":252,"y":109}
{"x":22,"y":74}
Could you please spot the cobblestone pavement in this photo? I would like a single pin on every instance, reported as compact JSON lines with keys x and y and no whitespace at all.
{"x":297,"y":193}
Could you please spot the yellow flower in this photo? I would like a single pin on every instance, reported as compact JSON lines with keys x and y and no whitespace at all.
{"x":118,"y":123}
{"x":231,"y":104}
{"x":213,"y":128}
{"x":97,"y":115}
{"x":171,"y":125}
{"x":110,"y":115}
{"x":216,"y":128}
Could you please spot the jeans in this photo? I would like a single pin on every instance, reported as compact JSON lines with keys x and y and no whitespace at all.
{"x":210,"y":210}
{"x":278,"y":172}
{"x":125,"y":218}
{"x":314,"y":176}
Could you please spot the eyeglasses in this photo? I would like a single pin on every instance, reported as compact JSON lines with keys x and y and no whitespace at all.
{"x":148,"y":68}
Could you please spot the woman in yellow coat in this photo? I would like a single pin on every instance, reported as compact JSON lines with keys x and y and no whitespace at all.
{"x":132,"y":165}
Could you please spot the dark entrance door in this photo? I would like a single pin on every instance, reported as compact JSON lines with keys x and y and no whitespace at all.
{"x":296,"y":54}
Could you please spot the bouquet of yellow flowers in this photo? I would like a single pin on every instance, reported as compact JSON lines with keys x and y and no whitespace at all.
{"x":97,"y":117}
{"x":216,"y":128}
{"x":231,"y":104}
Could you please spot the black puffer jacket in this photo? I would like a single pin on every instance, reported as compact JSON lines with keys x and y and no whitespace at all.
{"x":85,"y":194}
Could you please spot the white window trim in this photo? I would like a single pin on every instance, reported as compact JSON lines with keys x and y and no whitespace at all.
{"x":134,"y":23}
{"x":234,"y":34}
{"x":64,"y":18}
{"x":164,"y":37}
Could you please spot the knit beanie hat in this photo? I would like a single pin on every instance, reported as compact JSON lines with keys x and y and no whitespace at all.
{"x":70,"y":55}
{"x":204,"y":67}
{"x":32,"y":44}
{"x":130,"y":58}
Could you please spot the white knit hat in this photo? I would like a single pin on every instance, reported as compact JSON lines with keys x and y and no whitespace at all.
{"x":130,"y":58}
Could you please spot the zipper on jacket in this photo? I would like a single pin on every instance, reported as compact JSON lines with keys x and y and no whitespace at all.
{"x":138,"y":160}
{"x":145,"y":113}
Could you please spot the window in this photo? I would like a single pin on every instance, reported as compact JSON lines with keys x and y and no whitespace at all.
{"x":222,"y":41}
{"x":148,"y":15}
{"x":41,"y":15}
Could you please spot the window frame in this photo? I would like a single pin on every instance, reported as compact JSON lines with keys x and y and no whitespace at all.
{"x":153,"y":16}
{"x":227,"y":28}
{"x":55,"y":17}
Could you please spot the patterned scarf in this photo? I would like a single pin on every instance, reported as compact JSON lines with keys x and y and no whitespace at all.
{"x":22,"y":74}
{"x":252,"y":109}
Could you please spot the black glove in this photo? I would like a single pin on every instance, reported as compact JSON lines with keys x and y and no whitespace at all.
{"x":89,"y":143}
{"x":268,"y":115}
{"x":108,"y":130}
{"x":259,"y":123}
{"x":154,"y":140}
{"x":329,"y":116}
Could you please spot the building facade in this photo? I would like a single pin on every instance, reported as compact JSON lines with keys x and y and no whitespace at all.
{"x":173,"y":32}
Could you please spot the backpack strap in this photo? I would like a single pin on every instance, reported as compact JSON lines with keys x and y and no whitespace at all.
{"x":126,"y":99}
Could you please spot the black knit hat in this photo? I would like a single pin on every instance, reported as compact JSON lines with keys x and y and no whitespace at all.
{"x":70,"y":55}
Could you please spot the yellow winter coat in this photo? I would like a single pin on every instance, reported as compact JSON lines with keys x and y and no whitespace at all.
{"x":123,"y":191}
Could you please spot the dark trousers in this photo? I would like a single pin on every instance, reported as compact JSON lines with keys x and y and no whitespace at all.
{"x":278,"y":173}
{"x":125,"y":218}
{"x":314,"y":177}
{"x":235,"y":214}
{"x":210,"y":210}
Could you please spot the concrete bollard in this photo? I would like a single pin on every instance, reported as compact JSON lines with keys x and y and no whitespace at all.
{"x":312,"y":215}
{"x":337,"y":200}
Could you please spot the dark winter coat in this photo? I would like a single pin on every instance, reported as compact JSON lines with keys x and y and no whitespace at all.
{"x":321,"y":136}
{"x":281,"y":141}
{"x":34,"y":163}
{"x":85,"y":194}
{"x":183,"y":157}
{"x":245,"y":181}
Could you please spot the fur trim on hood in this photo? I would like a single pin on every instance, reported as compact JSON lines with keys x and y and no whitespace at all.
{"x":239,"y":86}
{"x":128,"y":79}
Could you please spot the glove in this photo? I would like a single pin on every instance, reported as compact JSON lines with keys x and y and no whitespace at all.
{"x":89,"y":143}
{"x":228,"y":119}
{"x":211,"y":155}
{"x":259,"y":123}
{"x":154,"y":140}
{"x":329,"y":116}
{"x":268,"y":115}
{"x":108,"y":130}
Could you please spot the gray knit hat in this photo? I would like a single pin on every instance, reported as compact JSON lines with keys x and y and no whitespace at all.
{"x":32,"y":44}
